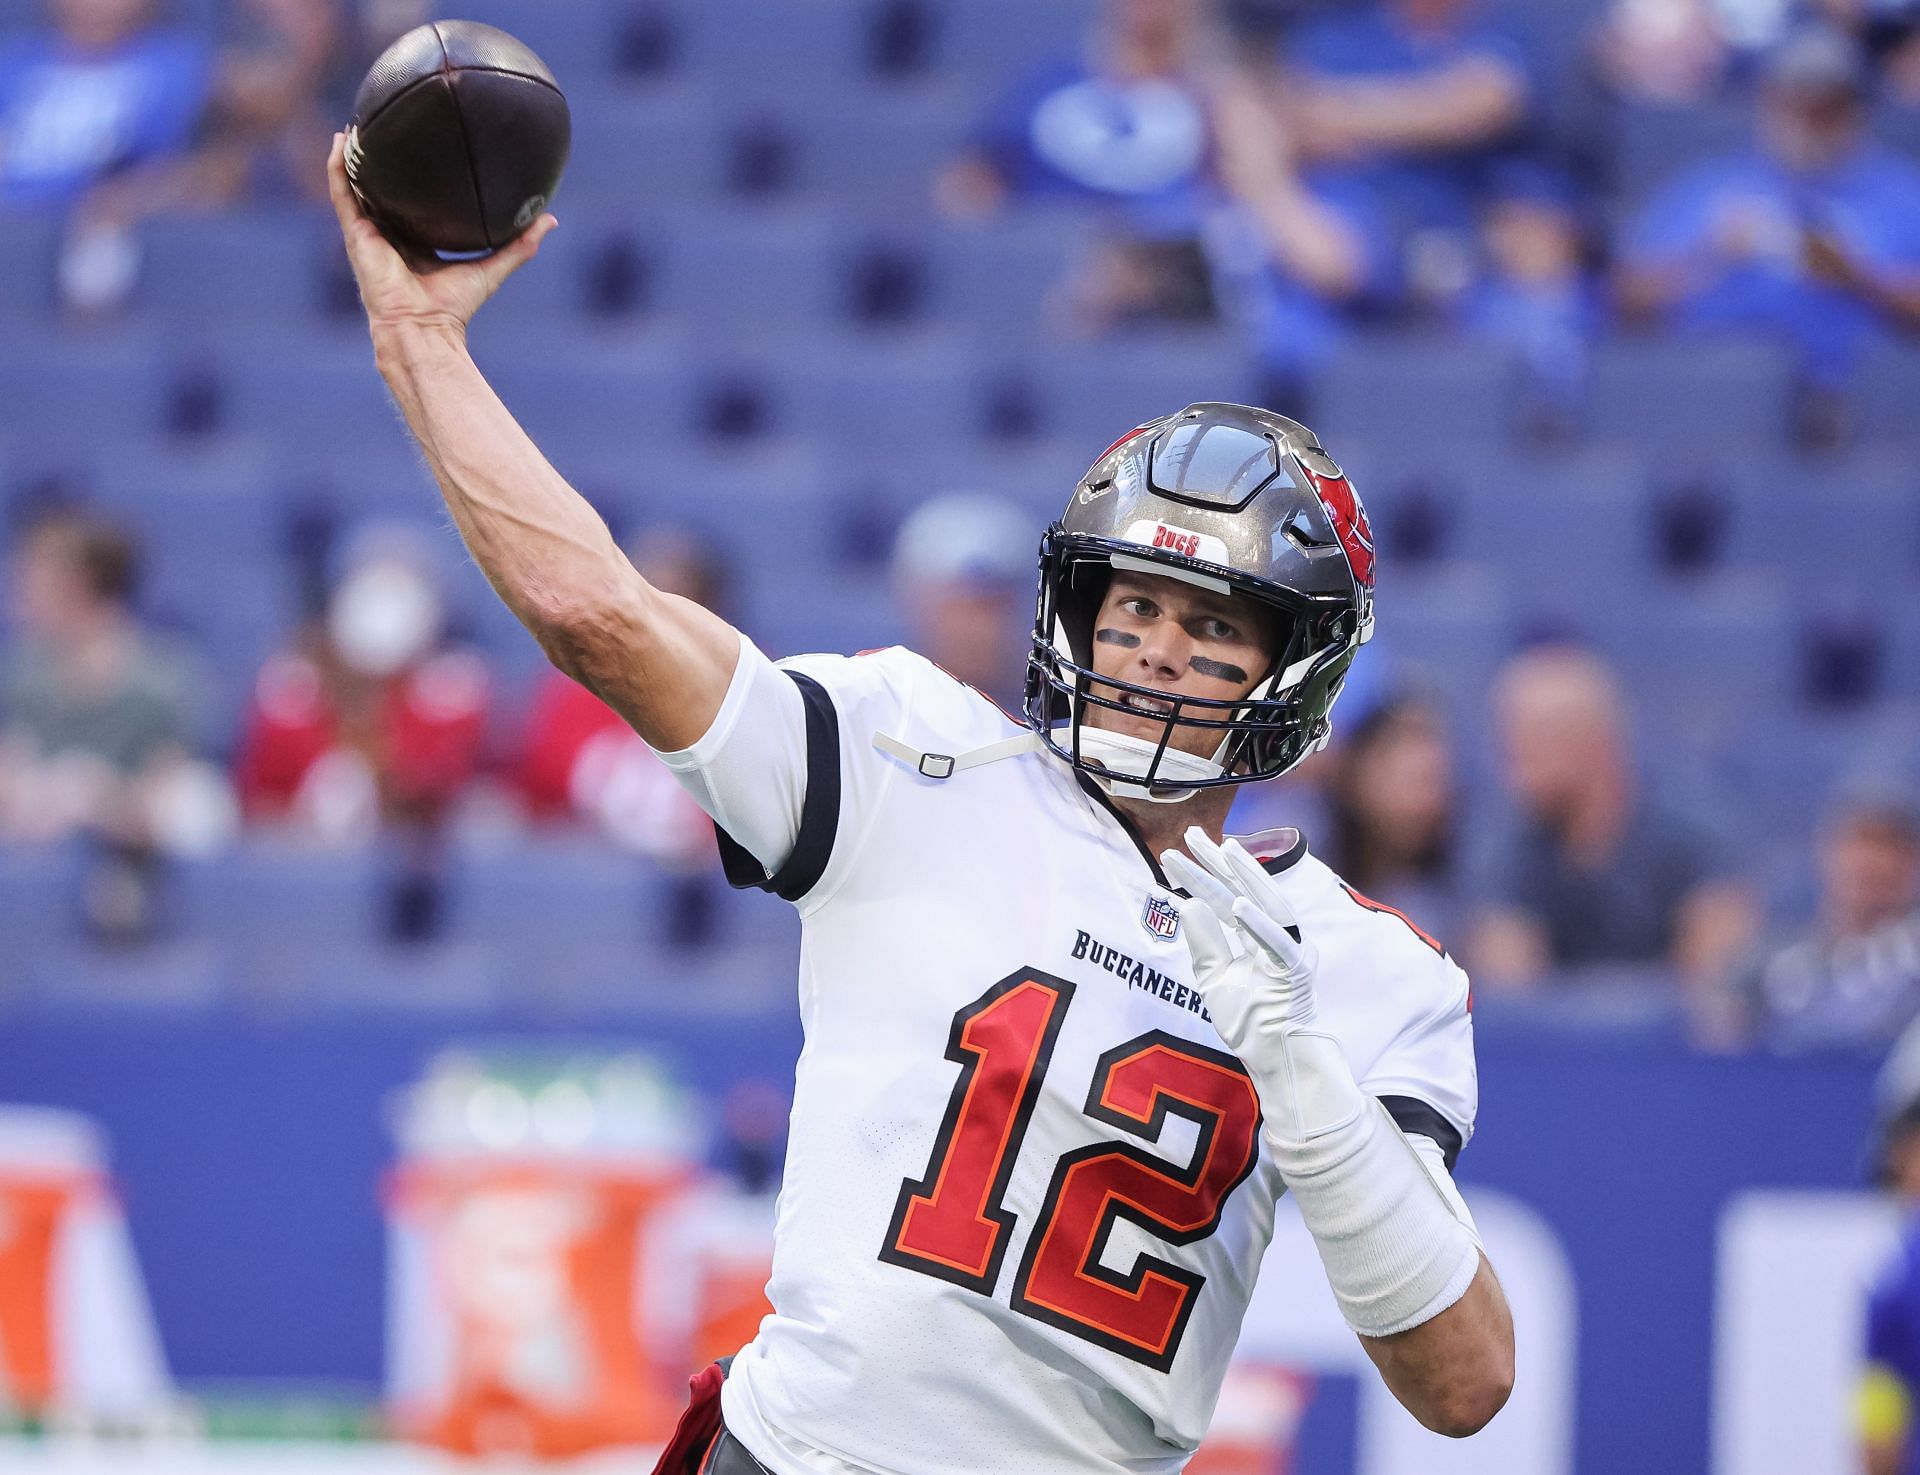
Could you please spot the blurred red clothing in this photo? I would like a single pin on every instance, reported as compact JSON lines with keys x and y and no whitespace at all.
{"x":418,"y":735}
{"x":581,"y":760}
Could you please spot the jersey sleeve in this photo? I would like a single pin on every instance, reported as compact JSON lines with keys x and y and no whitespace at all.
{"x":787,"y":769}
{"x":1426,"y":1077}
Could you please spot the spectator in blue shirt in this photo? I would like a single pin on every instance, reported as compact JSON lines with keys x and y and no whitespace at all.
{"x":1127,"y":129}
{"x":1535,"y":292}
{"x":102,"y":91}
{"x":1887,"y":1433}
{"x":1409,"y":97}
{"x":1812,"y":235}
{"x":1302,"y":252}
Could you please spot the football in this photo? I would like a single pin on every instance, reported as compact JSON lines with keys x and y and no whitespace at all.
{"x":459,"y":138}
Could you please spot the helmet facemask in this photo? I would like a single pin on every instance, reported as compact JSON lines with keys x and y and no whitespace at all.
{"x":1261,"y":735}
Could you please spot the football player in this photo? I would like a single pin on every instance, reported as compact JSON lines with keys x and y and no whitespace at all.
{"x":1066,"y":1045}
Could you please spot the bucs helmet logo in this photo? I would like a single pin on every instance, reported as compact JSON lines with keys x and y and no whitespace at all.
{"x":1349,"y":521}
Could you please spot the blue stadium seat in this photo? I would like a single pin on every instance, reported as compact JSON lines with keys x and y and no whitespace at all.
{"x":1885,"y":389}
{"x":575,"y":40}
{"x":993,"y":42}
{"x":770,"y":48}
{"x":1703,"y":658}
{"x":900,"y":393}
{"x":76,"y":393}
{"x":636,"y":985}
{"x":279,"y":897}
{"x":643,"y":153}
{"x":872,"y":150}
{"x":170,"y":976}
{"x":600,"y":397}
{"x":451,"y":978}
{"x":834,"y":614}
{"x":546,"y":893}
{"x":311,"y":397}
{"x":29,"y":247}
{"x":39,"y":899}
{"x":1560,"y":539}
{"x":247,"y":270}
{"x":1727,"y":396}
{"x":1409,"y":393}
{"x":1095,"y":393}
{"x":1836,"y":526}
{"x":1005,"y":275}
{"x":743,"y":274}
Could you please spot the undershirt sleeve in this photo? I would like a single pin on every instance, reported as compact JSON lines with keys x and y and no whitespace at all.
{"x":749,"y":769}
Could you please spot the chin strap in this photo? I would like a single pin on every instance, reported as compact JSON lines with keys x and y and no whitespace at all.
{"x":946,"y":765}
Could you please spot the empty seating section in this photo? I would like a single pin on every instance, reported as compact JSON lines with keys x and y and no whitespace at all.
{"x":753,"y":323}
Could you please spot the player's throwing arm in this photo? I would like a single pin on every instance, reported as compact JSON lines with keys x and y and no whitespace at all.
{"x":661,"y":661}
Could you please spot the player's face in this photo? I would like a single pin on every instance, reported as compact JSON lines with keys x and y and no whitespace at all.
{"x":1175,"y":637}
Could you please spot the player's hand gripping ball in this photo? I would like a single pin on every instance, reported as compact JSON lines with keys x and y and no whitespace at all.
{"x":460,"y":135}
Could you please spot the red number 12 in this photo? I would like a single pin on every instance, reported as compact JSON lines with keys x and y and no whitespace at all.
{"x":951,"y":1222}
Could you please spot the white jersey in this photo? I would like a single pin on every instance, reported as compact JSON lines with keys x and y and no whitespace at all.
{"x":1025,"y":1196}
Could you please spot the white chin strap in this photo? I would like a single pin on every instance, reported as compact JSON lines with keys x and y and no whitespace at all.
{"x":1123,"y":754}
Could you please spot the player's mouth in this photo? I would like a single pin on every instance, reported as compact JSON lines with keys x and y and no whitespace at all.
{"x":1133,"y":701}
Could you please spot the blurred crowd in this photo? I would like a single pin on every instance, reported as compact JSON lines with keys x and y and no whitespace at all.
{"x":1300,"y":171}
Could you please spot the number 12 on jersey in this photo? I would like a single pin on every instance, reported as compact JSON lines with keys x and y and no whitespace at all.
{"x":953,"y":1223}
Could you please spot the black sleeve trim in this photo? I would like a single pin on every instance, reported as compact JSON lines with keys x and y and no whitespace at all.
{"x":819,"y":810}
{"x":1415,"y":1116}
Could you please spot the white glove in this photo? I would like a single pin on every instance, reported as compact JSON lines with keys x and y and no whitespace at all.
{"x":1398,"y":1246}
{"x":1261,"y":993}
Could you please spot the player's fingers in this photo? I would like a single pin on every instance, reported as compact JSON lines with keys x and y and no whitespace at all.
{"x":1270,"y":933}
{"x":1201,"y":847}
{"x":1252,"y":881}
{"x":345,"y":208}
{"x":510,"y":258}
{"x":1207,"y":941}
{"x":1197,"y":883}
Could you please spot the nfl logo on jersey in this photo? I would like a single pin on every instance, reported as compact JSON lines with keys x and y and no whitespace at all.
{"x":1160,"y":918}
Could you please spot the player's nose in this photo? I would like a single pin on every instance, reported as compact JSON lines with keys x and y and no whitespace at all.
{"x":1164,"y":649}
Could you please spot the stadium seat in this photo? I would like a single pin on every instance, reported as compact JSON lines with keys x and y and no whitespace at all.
{"x":76,"y":393}
{"x":1885,"y":388}
{"x":279,"y":897}
{"x":601,"y":398}
{"x":1004,"y":277}
{"x":1409,"y":393}
{"x":632,"y":985}
{"x":771,"y":48}
{"x":547,"y":893}
{"x":454,"y":978}
{"x":322,"y":395}
{"x":1095,"y":393}
{"x":247,"y":271}
{"x":29,"y":246}
{"x":901,"y":394}
{"x":39,"y":899}
{"x":871,"y":151}
{"x":1704,"y":658}
{"x":1717,"y":397}
{"x":741,"y":274}
{"x":156,"y":976}
{"x":643,"y":154}
{"x":1833,"y":525}
{"x":991,"y":43}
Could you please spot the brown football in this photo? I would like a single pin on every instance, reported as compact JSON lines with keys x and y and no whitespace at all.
{"x":460,"y":135}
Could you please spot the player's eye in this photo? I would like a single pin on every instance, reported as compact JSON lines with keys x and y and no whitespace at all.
{"x":1217,"y":629}
{"x":1139,"y":606}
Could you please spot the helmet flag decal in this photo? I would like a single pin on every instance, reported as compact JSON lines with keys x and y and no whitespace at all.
{"x":1349,"y":521}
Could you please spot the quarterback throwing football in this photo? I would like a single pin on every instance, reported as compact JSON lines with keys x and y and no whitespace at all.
{"x":1066,"y":1045}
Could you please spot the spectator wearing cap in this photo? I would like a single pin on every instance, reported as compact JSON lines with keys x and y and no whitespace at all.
{"x":100,"y":92}
{"x":1409,"y":97}
{"x":963,"y":572}
{"x":1590,"y":872}
{"x":372,"y":716}
{"x":1812,"y":235}
{"x":1853,"y":976}
{"x":1126,"y":129}
{"x":1535,"y":292}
